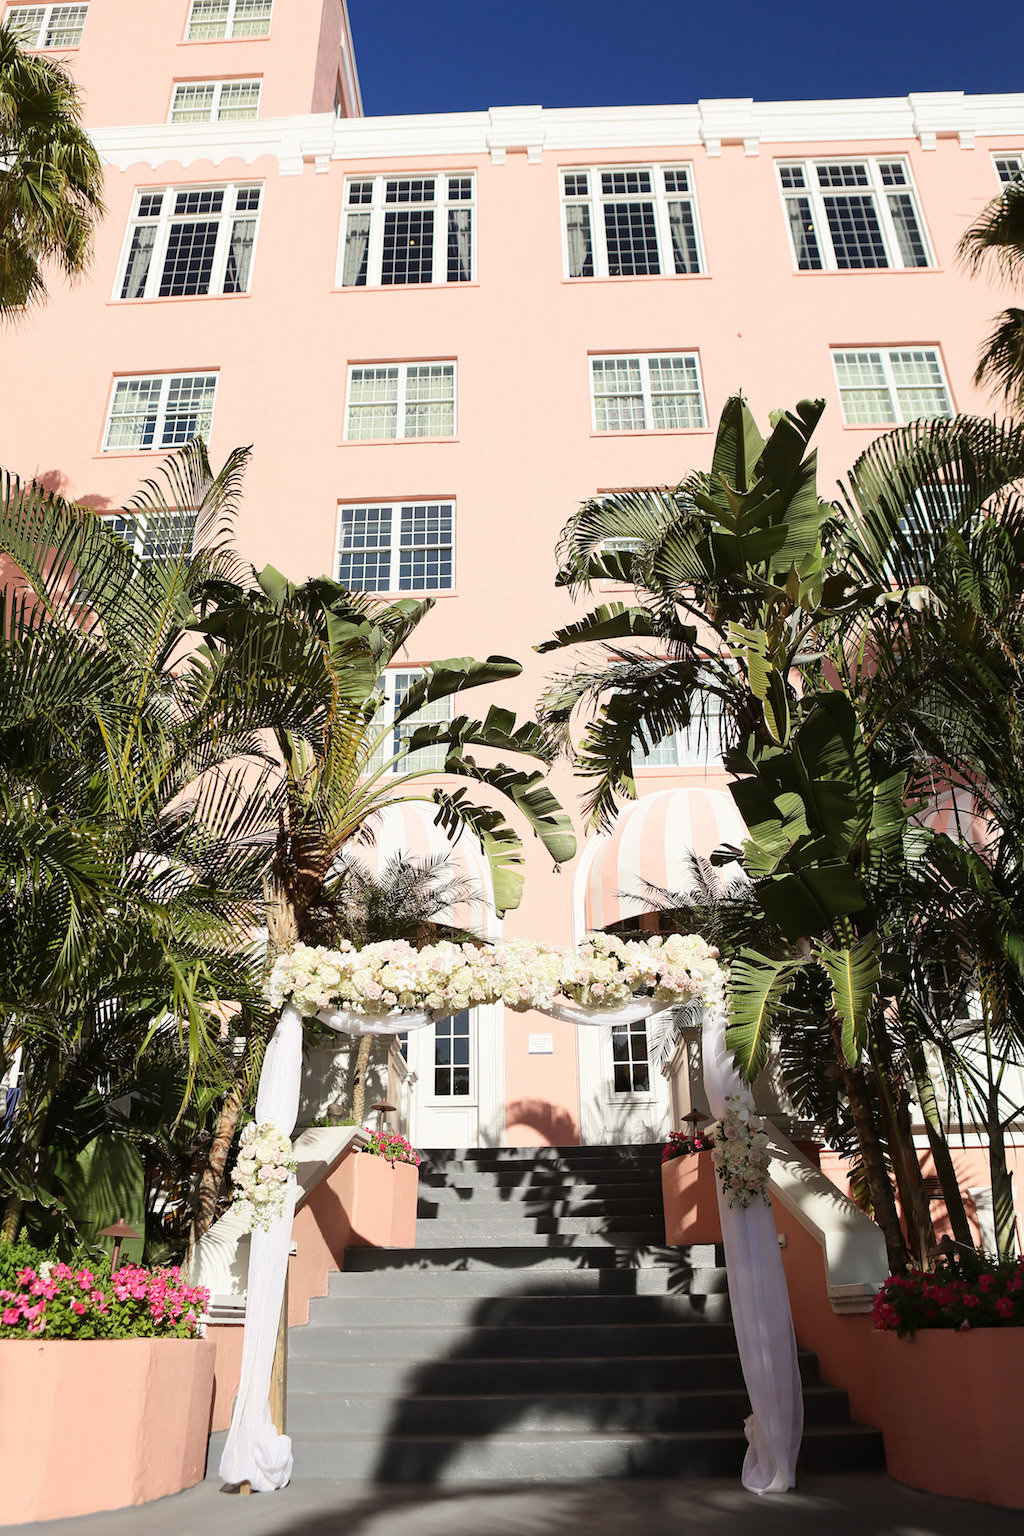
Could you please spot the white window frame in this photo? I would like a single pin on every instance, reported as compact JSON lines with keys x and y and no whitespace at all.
{"x":885,"y":356}
{"x":875,"y":188}
{"x":441,"y":204}
{"x":218,"y":88}
{"x":631,"y":1094}
{"x":228,"y":35}
{"x":659,"y":196}
{"x":45,"y":25}
{"x":695,"y":746}
{"x":644,"y":360}
{"x":160,"y":421}
{"x":470,"y":1096}
{"x":140,"y":532}
{"x":394,"y":510}
{"x":442,"y":711}
{"x":1001,"y":157}
{"x":162,"y":222}
{"x":401,"y":403}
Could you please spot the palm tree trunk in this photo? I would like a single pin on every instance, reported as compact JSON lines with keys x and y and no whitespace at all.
{"x":1001,"y":1181}
{"x":212,"y":1182}
{"x":882,"y":1200}
{"x":951,"y":1192}
{"x":359,"y":1084}
{"x":895,"y":1110}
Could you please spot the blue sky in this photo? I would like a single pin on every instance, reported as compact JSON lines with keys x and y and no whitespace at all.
{"x":465,"y":55}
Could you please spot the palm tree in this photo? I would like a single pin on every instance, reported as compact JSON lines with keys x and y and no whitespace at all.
{"x":51,"y":177}
{"x":996,"y":240}
{"x":845,"y":646}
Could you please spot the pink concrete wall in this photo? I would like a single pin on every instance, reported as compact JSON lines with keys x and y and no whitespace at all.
{"x":131,"y":54}
{"x":525,"y":454}
{"x":132,"y":1421}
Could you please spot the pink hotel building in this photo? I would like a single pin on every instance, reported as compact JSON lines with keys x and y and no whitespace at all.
{"x":441,"y":333}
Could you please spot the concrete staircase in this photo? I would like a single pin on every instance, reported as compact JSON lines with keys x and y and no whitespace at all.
{"x":539,"y":1330}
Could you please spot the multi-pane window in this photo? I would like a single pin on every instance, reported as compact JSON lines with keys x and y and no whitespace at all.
{"x":659,"y":393}
{"x":397,"y":547}
{"x":400,"y":400}
{"x":47,"y":26}
{"x":395,"y":686}
{"x":846,"y":214}
{"x":407,"y":229}
{"x":452,"y":1064}
{"x":156,"y":535}
{"x":894,"y":384}
{"x":160,"y":411}
{"x":622,"y":221}
{"x":213,"y":19}
{"x":215,"y":101}
{"x":1009,"y":167}
{"x":631,"y":1068}
{"x":697,"y":746}
{"x":186,"y":241}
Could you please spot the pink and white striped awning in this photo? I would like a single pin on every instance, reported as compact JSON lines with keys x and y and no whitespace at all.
{"x":407,"y":827}
{"x":953,"y":812}
{"x":651,"y":841}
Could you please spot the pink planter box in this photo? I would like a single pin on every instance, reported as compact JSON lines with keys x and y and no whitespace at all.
{"x":380,"y":1199}
{"x":689,"y":1190}
{"x":100,"y":1423}
{"x":950,"y":1411}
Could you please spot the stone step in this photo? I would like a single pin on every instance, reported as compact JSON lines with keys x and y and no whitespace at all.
{"x":470,"y":1377}
{"x":539,"y":1255}
{"x":655,"y":1280}
{"x":515,"y":1311}
{"x":539,"y":1176}
{"x":551,"y":1456}
{"x":644,"y":1212}
{"x":525,"y":1342}
{"x":487,"y":1189}
{"x":382,"y":1414}
{"x":609,"y":1152}
{"x":514,"y":1227}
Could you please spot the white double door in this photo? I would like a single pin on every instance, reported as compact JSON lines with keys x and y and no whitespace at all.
{"x":624,"y":1097}
{"x":458,"y":1091}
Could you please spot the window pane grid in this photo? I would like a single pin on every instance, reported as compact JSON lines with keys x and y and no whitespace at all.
{"x":652,"y":394}
{"x":895,"y":385}
{"x":630,"y":222}
{"x":157,"y":536}
{"x":452,"y":1057}
{"x":415,"y":229}
{"x":184,"y":243}
{"x":214,"y":19}
{"x":47,"y":26}
{"x":162,"y":411}
{"x":853,"y":215}
{"x":406,"y":547}
{"x":1009,"y":167}
{"x":631,"y":1072}
{"x":406,"y":400}
{"x":437,"y":712}
{"x":193,"y":102}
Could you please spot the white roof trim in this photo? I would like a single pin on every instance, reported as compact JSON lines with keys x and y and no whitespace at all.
{"x":319,"y":138}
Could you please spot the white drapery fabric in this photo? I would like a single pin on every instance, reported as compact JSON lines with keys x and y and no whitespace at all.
{"x":255,"y":1452}
{"x":759,"y":1301}
{"x":630,"y":1013}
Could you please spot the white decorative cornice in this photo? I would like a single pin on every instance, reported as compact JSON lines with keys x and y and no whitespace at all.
{"x":318,"y":139}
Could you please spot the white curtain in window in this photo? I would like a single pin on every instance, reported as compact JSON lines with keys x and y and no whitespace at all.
{"x":243,"y":236}
{"x":577,"y":227}
{"x":460,"y":248}
{"x":759,"y":1301}
{"x":357,"y":240}
{"x":684,"y":239}
{"x":139,"y":258}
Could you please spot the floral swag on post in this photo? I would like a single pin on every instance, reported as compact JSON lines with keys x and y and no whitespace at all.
{"x":261,"y":1175}
{"x":740,"y":1154}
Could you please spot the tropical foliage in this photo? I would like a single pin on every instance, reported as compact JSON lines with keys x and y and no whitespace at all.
{"x":863,"y":660}
{"x":51,"y":177}
{"x":996,"y":241}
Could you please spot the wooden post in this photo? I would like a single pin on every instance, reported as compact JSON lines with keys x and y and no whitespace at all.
{"x":279,"y":1375}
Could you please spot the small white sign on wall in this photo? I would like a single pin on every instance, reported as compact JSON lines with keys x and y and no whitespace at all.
{"x":541,"y":1045}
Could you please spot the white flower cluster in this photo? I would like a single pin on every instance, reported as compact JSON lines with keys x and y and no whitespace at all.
{"x":261,"y":1175}
{"x":740,"y":1154}
{"x":442,"y":979}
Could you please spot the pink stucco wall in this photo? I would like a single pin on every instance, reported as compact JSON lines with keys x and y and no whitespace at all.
{"x":525,"y":454}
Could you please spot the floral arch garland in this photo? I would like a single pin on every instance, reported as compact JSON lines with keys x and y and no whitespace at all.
{"x":386,"y":989}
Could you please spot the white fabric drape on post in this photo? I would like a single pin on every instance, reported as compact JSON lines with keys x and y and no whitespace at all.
{"x":759,"y":1301}
{"x":255,"y":1453}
